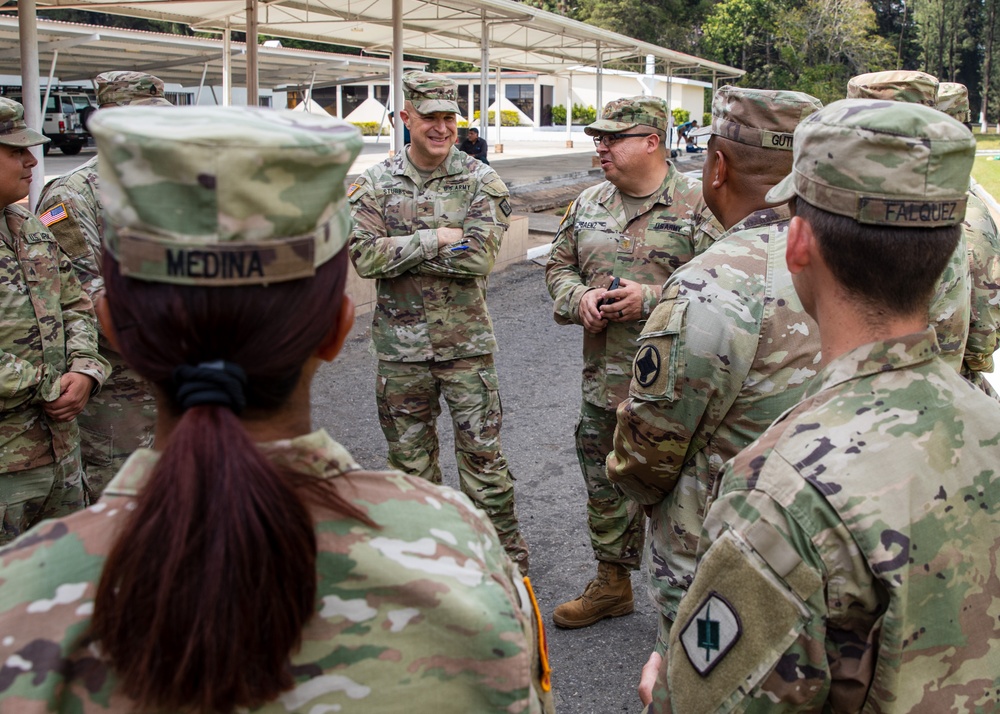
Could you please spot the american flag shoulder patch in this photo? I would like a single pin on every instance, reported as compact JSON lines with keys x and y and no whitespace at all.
{"x":54,"y":215}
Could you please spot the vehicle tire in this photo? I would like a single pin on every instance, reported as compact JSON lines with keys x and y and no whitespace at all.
{"x":72,"y":149}
{"x":46,"y":148}
{"x":85,"y":116}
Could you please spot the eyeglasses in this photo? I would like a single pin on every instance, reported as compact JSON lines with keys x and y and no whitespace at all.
{"x":610,"y":140}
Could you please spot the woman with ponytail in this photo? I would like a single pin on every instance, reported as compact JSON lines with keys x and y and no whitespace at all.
{"x":246,"y":562}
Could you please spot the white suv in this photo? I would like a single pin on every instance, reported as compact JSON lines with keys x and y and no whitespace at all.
{"x":62,"y":124}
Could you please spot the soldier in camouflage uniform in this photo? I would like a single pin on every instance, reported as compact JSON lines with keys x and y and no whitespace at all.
{"x":727,"y":349}
{"x":428,"y":226}
{"x":49,"y":365}
{"x":984,"y":259}
{"x":638,"y":226}
{"x":120,"y":418}
{"x":416,"y":604}
{"x":967,"y":301}
{"x":849,"y":561}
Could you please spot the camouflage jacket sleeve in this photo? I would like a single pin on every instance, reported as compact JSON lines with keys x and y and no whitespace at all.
{"x":69,"y":342}
{"x":761,"y":567}
{"x":984,"y":263}
{"x":848,"y":553}
{"x":80,"y":324}
{"x":395,"y":224}
{"x":72,"y":212}
{"x":486,"y":220}
{"x":22,"y":382}
{"x":562,"y":272}
{"x":689,"y":367}
{"x":374,"y":252}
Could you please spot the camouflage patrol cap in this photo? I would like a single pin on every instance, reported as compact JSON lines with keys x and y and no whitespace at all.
{"x":895,"y":86}
{"x":124,"y":88}
{"x":431,"y":92}
{"x":758,"y":117}
{"x":13,"y":130}
{"x":885,"y":163}
{"x":222,"y":196}
{"x":628,"y":112}
{"x":953,"y":100}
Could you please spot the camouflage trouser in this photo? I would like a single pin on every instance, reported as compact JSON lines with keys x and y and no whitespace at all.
{"x":408,"y":396}
{"x":32,"y":495}
{"x":116,"y":421}
{"x":617,"y":524}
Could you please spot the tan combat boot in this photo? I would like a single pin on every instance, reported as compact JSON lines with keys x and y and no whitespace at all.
{"x":607,"y":595}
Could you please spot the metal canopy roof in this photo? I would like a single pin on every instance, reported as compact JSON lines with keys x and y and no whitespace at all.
{"x":86,"y":50}
{"x":519,"y":36}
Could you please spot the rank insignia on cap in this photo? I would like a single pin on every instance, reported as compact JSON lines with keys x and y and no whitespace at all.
{"x":647,"y":365}
{"x":711,"y":633}
{"x":53,"y":215}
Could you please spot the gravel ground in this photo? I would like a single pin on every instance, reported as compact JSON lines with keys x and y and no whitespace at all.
{"x":596,"y":669}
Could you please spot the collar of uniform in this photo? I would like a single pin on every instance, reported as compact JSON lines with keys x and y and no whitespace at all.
{"x":764,"y":217}
{"x":453,"y":164}
{"x":877,"y":357}
{"x":315,"y":454}
{"x":661,"y":195}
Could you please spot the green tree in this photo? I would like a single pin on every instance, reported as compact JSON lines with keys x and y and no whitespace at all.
{"x":896,"y":23}
{"x":739,"y":33}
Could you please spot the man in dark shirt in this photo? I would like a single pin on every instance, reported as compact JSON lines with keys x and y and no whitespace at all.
{"x":474,"y":145}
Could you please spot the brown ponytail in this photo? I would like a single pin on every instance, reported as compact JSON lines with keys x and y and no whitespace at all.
{"x":208,"y":586}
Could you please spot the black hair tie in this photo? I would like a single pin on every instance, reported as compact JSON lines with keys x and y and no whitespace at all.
{"x":217,"y":382}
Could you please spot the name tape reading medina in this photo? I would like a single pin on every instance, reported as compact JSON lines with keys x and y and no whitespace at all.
{"x":214,"y":264}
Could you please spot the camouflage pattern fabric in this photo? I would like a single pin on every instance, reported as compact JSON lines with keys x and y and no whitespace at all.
{"x":841,"y":155}
{"x":950,"y":310}
{"x":127,"y":87}
{"x":408,"y":396}
{"x":13,"y":129}
{"x":628,"y":112}
{"x":120,"y":418}
{"x":431,"y":302}
{"x":424,"y":608}
{"x":48,"y":329}
{"x":895,"y":86}
{"x":32,"y":495}
{"x":431,"y":311}
{"x":856,"y":542}
{"x":429,"y":93}
{"x":223,"y":196}
{"x":953,"y":100}
{"x":763,"y":118}
{"x":595,"y":243}
{"x":983,"y":247}
{"x":879,"y":167}
{"x":616,"y":523}
{"x":726,"y":351}
{"x":984,"y":260}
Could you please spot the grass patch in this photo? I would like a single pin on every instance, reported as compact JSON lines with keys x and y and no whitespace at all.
{"x":986,"y":171}
{"x":986,"y":142}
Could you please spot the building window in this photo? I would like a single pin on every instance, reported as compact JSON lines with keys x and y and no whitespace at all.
{"x":522,"y":96}
{"x":264,"y":102}
{"x":352,"y":98}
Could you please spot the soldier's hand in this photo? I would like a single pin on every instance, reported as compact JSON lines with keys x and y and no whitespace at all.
{"x":627,"y":305}
{"x":447,"y":236}
{"x":648,"y":678}
{"x":591,"y":317}
{"x":75,"y":389}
